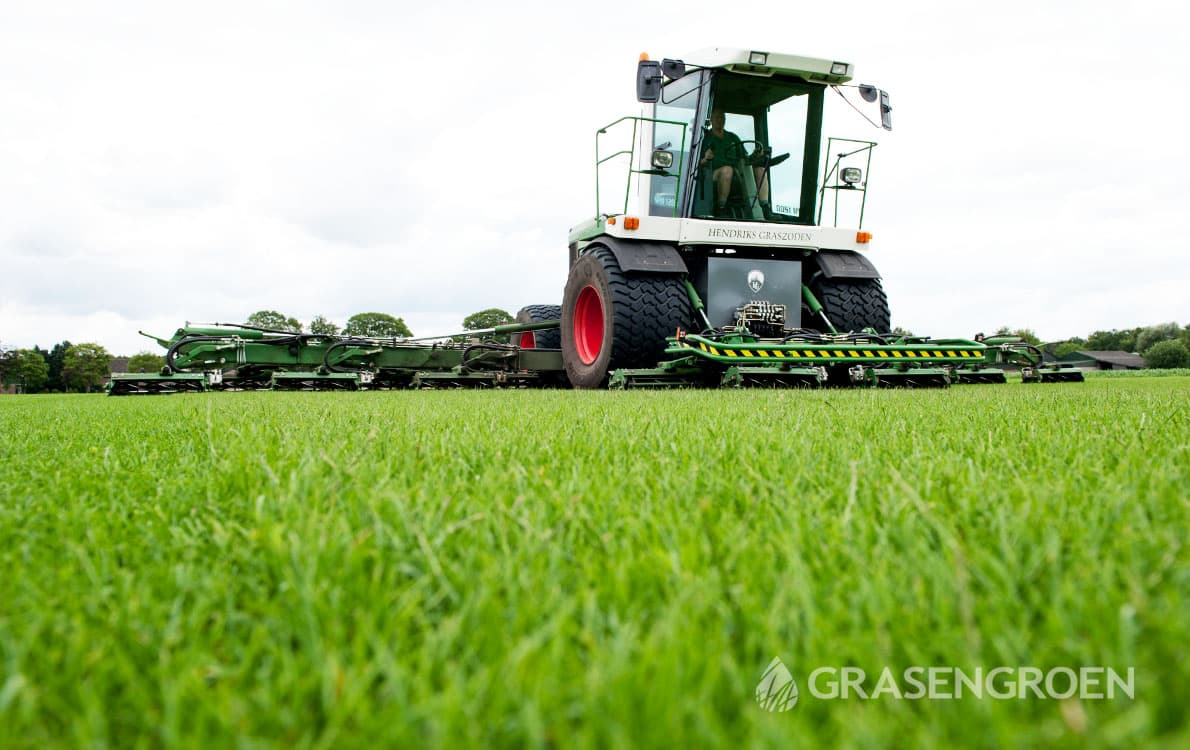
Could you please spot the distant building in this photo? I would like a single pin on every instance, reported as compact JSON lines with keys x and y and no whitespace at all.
{"x":120,"y":365}
{"x":1092,"y":360}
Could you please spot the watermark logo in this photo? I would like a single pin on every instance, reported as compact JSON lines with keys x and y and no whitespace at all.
{"x":776,"y":690}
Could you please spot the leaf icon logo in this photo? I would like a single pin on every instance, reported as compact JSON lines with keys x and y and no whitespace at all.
{"x":776,"y":691}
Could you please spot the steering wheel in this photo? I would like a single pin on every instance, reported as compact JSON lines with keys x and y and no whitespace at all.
{"x":759,"y":157}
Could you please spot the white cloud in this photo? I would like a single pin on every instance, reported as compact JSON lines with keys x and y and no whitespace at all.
{"x":165,"y":162}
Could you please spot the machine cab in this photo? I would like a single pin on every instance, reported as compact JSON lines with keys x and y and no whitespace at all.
{"x":751,"y":147}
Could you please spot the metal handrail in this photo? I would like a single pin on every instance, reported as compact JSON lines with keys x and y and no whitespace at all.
{"x":833,"y":169}
{"x":632,"y":158}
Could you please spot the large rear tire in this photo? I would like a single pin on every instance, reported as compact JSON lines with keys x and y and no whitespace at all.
{"x":548,"y":339}
{"x":612,"y":319}
{"x":854,"y":304}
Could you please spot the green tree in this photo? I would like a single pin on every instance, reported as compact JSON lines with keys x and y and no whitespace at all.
{"x":28,"y":371}
{"x":56,"y":359}
{"x":1167,"y":354}
{"x":146,"y":362}
{"x":274,"y":321}
{"x":489,"y":318}
{"x":1028,"y":335}
{"x":1025,"y":334}
{"x":85,"y":366}
{"x":7,"y":363}
{"x":377,"y":326}
{"x":902,"y":331}
{"x":1113,"y":340}
{"x":323,"y":327}
{"x":1152,"y":334}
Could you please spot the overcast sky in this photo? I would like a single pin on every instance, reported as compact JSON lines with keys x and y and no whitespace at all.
{"x":163,"y":162}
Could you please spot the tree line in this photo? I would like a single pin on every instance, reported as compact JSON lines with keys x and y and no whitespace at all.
{"x":65,"y":368}
{"x":1165,"y":345}
{"x":368,"y":325}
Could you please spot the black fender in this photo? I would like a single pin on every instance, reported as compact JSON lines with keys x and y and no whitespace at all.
{"x":642,"y":256}
{"x":845,"y":264}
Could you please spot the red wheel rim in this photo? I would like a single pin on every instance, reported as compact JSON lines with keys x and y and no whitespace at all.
{"x":527,"y":341}
{"x":588,"y":325}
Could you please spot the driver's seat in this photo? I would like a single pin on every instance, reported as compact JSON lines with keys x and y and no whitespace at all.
{"x":742,"y":201}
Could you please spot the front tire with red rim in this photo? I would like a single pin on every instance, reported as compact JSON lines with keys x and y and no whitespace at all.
{"x":612,"y":319}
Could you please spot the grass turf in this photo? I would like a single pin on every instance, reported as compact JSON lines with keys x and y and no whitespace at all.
{"x":587,"y":569}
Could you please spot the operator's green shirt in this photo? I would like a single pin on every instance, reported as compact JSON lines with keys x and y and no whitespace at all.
{"x":728,"y":149}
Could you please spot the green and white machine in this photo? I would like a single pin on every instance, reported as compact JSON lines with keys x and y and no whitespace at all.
{"x":715,"y":257}
{"x":727,"y":182}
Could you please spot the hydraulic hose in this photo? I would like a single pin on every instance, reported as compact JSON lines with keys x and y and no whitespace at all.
{"x":484,"y":345}
{"x":326,"y":357}
{"x":172,"y":353}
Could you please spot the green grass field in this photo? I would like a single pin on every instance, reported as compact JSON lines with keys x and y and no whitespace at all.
{"x":560,"y":569}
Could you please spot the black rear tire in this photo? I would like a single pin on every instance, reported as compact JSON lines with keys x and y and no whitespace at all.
{"x":548,"y":339}
{"x":612,"y":319}
{"x":853,"y":304}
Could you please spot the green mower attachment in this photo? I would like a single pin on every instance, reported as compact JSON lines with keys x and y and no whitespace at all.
{"x":1016,"y":351}
{"x":220,"y":357}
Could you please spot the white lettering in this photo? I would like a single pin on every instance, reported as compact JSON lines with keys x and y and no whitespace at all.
{"x":937,"y":679}
{"x":833,"y":684}
{"x":953,"y":683}
{"x":887,"y":684}
{"x":976,"y":685}
{"x":919,"y":690}
{"x":1090,"y":677}
{"x":991,"y":680}
{"x":1113,"y":679}
{"x":853,"y":677}
{"x":1029,"y":677}
{"x":1071,"y":683}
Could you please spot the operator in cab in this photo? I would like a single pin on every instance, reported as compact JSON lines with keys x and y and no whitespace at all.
{"x":722,"y":151}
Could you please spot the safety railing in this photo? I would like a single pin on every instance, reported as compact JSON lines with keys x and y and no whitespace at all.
{"x":834,"y":171}
{"x":631,"y":153}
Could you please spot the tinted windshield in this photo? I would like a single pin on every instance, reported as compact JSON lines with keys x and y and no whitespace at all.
{"x":757,"y":156}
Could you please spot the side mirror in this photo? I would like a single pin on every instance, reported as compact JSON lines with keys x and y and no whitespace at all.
{"x":673,"y":69}
{"x":648,"y":81}
{"x":885,"y":111}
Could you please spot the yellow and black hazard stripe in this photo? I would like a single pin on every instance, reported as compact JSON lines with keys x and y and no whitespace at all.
{"x":809,"y":352}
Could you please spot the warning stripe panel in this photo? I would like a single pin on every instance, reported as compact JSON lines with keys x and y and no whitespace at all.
{"x":858,"y":354}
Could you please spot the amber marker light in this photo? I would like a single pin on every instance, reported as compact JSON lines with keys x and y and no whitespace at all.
{"x":863,"y":237}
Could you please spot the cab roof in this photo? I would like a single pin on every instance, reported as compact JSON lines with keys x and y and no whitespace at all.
{"x":762,"y":63}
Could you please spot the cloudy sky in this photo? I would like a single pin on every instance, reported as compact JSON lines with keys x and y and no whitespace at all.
{"x":165,"y":161}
